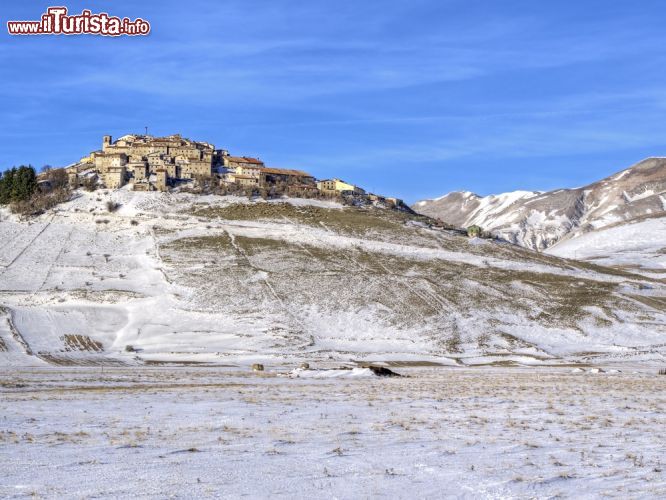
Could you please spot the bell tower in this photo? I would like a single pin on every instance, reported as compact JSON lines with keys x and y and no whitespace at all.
{"x":106,"y":142}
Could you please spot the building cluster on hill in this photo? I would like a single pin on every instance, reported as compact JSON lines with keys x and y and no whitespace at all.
{"x":157,"y":163}
{"x":149,"y":163}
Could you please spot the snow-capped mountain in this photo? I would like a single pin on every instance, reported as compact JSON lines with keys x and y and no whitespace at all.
{"x":181,"y":277}
{"x":540,"y":220}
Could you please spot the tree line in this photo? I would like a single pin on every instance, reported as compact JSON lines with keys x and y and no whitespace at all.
{"x":26,"y":194}
{"x":17,"y":184}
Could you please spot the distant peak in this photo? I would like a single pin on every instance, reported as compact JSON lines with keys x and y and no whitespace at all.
{"x":463,"y":194}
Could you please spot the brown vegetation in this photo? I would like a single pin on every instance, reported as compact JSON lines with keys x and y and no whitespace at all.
{"x":74,"y":342}
{"x":53,"y":189}
{"x":41,"y":202}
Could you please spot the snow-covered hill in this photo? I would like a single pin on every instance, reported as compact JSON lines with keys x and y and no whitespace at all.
{"x":176,"y":277}
{"x":538,"y":220}
{"x":638,"y":245}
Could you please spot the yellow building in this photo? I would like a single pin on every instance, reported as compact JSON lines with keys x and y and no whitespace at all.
{"x":337,"y":186}
{"x":87,"y":160}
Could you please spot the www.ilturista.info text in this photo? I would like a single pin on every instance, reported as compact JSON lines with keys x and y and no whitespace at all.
{"x":56,"y":21}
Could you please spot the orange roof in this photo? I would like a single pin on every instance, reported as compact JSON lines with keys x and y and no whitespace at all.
{"x":284,"y":171}
{"x":245,"y":159}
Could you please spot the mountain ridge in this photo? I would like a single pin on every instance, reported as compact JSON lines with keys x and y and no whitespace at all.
{"x":541,"y":220}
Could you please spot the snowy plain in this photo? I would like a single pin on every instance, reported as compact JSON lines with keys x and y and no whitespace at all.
{"x":439,"y":432}
{"x":81,"y":416}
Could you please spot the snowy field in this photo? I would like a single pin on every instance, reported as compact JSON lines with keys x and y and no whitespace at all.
{"x":639,"y":246}
{"x":208,"y":432}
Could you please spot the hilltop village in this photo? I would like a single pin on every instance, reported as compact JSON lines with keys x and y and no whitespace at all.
{"x":148,"y":163}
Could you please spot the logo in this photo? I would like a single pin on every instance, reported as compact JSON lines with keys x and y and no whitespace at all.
{"x":57,"y":21}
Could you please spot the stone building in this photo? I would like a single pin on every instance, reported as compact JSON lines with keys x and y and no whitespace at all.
{"x":246,"y":180}
{"x":103,"y":160}
{"x":143,"y":185}
{"x":375,"y":198}
{"x":139,"y":170}
{"x":161,"y":179}
{"x":115,"y":177}
{"x":192,"y":168}
{"x":251,"y":174}
{"x":241,"y":162}
{"x":178,"y":157}
{"x":73,"y":178}
{"x":272,"y":176}
{"x":155,"y":163}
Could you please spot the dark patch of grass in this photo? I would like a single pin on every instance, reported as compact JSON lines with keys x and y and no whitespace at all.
{"x":75,"y":342}
{"x":658,"y":303}
{"x":216,"y":242}
{"x":348,"y":219}
{"x":112,"y":206}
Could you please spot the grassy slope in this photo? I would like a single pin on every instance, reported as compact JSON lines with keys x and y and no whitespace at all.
{"x":186,"y":278}
{"x":450,"y":307}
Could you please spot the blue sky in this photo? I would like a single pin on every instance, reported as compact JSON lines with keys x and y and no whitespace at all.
{"x":407,"y":98}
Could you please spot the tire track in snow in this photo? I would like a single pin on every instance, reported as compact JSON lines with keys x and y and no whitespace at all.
{"x":25,"y":248}
{"x":158,"y":256}
{"x":283,"y":305}
{"x":429,"y":299}
{"x":11,"y":240}
{"x":54,"y":262}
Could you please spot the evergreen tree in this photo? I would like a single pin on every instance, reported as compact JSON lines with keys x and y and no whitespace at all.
{"x":6,"y":184}
{"x":24,"y":183}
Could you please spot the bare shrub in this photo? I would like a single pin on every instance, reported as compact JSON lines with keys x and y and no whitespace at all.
{"x":57,"y":178}
{"x":89,"y":183}
{"x":40,"y":201}
{"x":112,"y":206}
{"x":453,"y":343}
